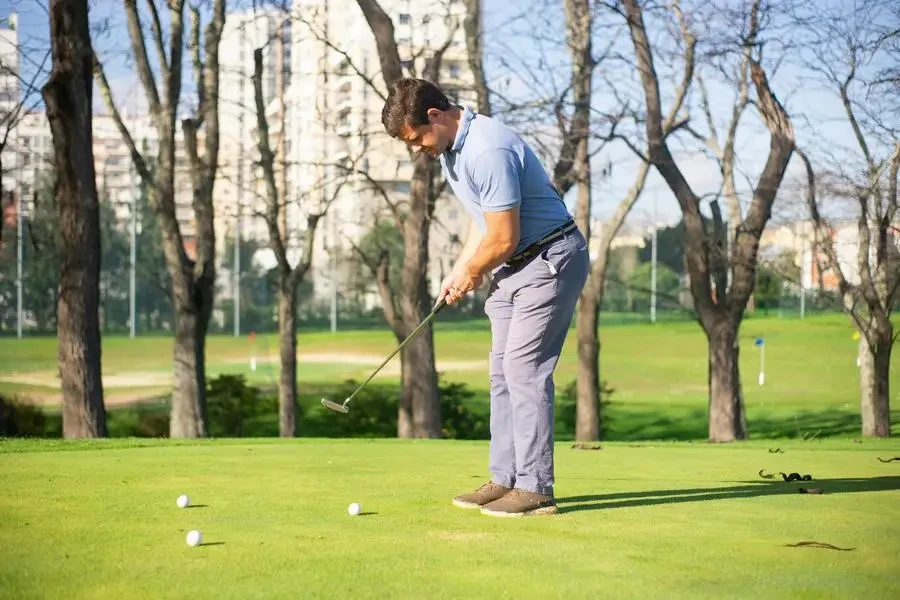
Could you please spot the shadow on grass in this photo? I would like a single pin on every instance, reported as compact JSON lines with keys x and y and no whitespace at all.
{"x":750,"y":490}
{"x":204,"y":544}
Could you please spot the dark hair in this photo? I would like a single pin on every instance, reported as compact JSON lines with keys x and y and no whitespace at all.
{"x":408,"y":103}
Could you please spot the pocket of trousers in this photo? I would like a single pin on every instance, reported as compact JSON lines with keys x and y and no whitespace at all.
{"x":557,"y":256}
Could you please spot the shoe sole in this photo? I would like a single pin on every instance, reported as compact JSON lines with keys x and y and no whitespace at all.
{"x":469,"y":505}
{"x":545,"y":510}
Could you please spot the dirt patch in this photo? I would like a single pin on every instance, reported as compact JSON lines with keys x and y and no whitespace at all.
{"x":368,"y":360}
{"x":120,"y":380}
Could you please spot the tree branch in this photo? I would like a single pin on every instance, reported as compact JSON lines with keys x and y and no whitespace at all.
{"x":136,"y":33}
{"x":157,"y":36}
{"x":139,"y":163}
{"x":383,"y":29}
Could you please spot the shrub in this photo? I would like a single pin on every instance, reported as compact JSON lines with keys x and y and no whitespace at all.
{"x":231,"y":403}
{"x":19,"y":418}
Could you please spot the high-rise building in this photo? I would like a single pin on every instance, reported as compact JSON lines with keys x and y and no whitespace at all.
{"x":334,"y":115}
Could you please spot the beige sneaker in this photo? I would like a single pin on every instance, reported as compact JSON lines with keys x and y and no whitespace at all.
{"x":489,"y":492}
{"x":520,"y":503}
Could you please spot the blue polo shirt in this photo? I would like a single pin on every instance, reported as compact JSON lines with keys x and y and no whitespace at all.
{"x":492,"y":169}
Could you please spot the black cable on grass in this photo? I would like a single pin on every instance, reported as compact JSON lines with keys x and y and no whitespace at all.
{"x":776,"y":451}
{"x":796,"y":477}
{"x":766,"y":476}
{"x":811,"y":544}
{"x":889,"y":459}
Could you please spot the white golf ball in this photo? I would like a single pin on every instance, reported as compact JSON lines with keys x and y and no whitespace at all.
{"x":183,"y":501}
{"x":354,"y":509}
{"x":194,"y":538}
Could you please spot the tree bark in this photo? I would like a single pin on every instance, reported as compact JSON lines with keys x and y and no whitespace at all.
{"x":192,"y":280}
{"x":727,"y":422}
{"x":419,"y":415}
{"x":588,"y":408}
{"x":188,"y":413}
{"x":68,"y":97}
{"x":287,"y":380}
{"x":874,"y":383}
{"x":420,"y":386}
{"x":721,"y":308}
{"x":472,"y":25}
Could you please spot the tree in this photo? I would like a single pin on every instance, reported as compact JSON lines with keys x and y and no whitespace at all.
{"x":419,"y":413}
{"x":68,"y":94}
{"x":289,"y":277}
{"x":192,"y":279}
{"x":856,"y":56}
{"x":721,"y":280}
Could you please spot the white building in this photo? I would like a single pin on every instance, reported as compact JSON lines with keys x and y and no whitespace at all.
{"x":333,"y":112}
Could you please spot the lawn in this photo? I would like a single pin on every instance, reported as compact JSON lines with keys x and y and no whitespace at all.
{"x":657,"y":372}
{"x":687,"y":520}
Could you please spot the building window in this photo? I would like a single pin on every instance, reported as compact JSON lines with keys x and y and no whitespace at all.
{"x":455,"y":70}
{"x":403,"y":19}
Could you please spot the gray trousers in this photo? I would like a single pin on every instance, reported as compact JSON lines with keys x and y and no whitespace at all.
{"x":530,"y":308}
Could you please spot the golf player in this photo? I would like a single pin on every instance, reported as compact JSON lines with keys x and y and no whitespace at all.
{"x":524,"y":238}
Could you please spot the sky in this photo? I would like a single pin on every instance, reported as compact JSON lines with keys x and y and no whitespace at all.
{"x":510,"y":32}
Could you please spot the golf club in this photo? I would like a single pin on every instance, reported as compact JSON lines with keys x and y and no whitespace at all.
{"x":342,"y":408}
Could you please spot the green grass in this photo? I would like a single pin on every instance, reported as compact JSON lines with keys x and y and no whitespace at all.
{"x":98,"y":520}
{"x":658,"y":371}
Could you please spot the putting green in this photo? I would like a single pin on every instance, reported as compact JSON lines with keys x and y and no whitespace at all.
{"x":99,"y":519}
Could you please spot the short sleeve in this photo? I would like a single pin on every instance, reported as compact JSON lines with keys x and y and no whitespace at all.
{"x":496,"y":177}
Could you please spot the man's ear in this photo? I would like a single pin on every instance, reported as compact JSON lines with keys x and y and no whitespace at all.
{"x":434,"y":114}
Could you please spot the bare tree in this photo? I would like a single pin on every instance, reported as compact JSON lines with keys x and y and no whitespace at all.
{"x":67,"y":94}
{"x":720,"y":303}
{"x":192,"y":278}
{"x":289,"y":277}
{"x":846,"y":52}
{"x":419,"y":414}
{"x":473,"y":28}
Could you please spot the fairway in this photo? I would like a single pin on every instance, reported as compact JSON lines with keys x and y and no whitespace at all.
{"x":99,"y":520}
{"x":658,"y":372}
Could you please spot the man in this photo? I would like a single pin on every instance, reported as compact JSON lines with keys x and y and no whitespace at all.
{"x":522,"y":235}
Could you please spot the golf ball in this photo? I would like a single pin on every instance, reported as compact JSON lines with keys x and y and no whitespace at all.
{"x":354,"y":509}
{"x":183,"y":501}
{"x":194,"y":538}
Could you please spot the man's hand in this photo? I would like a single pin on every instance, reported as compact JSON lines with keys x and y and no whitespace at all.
{"x":461,"y":284}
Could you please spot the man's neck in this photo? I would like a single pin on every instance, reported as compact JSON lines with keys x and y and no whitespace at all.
{"x":456,"y":112}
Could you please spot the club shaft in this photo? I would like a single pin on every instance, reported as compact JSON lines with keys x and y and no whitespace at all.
{"x":427,"y":320}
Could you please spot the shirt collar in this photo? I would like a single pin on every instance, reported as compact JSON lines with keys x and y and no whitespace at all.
{"x":463,"y":130}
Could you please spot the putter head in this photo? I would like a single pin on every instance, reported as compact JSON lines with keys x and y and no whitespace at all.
{"x":335,"y":406}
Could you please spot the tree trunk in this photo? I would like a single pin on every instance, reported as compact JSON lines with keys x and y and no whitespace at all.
{"x":188,"y":417}
{"x":419,"y":415}
{"x":874,"y":384}
{"x":287,"y":383}
{"x":68,"y":99}
{"x":726,"y":408}
{"x":588,"y":407}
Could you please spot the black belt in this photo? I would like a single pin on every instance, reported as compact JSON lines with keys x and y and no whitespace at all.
{"x":537,"y":247}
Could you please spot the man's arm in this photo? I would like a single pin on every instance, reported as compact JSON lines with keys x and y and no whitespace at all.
{"x":473,"y":240}
{"x":496,"y":175}
{"x":498,"y":244}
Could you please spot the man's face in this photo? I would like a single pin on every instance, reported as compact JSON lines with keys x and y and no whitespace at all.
{"x":432,"y":139}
